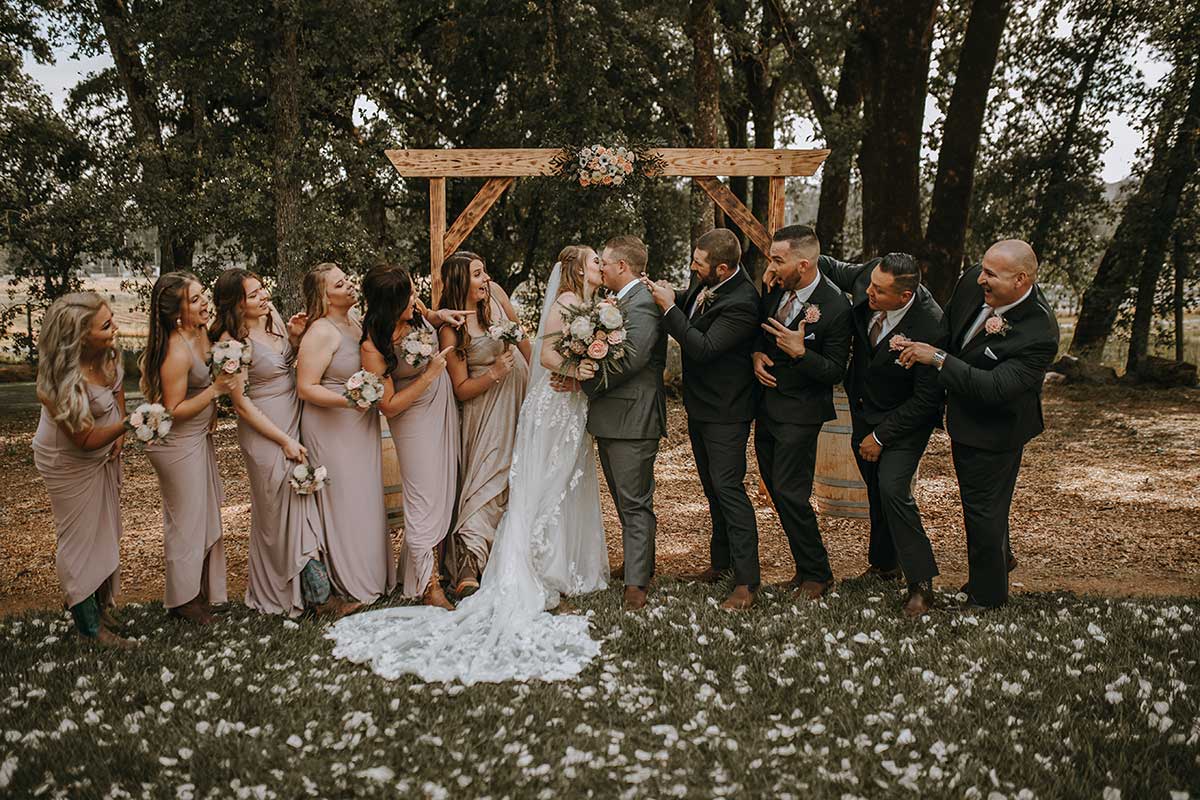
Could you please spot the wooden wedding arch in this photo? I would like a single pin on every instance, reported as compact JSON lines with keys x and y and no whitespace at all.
{"x":502,"y":167}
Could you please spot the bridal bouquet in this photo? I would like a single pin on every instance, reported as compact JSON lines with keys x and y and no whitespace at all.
{"x":418,"y":346}
{"x":363,"y":389}
{"x":150,"y":423}
{"x":229,"y":357}
{"x":507,"y":331}
{"x":595,"y":332}
{"x":308,"y":480}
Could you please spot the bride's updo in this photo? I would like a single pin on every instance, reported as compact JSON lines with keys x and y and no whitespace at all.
{"x":573,"y":272}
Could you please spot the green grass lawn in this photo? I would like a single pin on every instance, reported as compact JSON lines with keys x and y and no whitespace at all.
{"x":1053,"y":696}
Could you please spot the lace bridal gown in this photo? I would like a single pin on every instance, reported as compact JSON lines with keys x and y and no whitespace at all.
{"x":550,"y":542}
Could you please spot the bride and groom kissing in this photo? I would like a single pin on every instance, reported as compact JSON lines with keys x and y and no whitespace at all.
{"x":551,"y":541}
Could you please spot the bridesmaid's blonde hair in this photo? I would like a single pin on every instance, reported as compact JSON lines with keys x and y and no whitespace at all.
{"x":316,"y":301}
{"x":60,"y":382}
{"x":573,"y":270}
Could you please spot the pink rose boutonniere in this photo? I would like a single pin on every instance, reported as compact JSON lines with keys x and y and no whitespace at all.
{"x":703,"y":298}
{"x":812,"y":313}
{"x":996,"y":325}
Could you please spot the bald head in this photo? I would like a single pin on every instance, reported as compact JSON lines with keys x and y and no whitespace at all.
{"x":1009,"y":269}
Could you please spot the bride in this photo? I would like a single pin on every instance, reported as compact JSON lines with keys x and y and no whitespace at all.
{"x":549,"y":543}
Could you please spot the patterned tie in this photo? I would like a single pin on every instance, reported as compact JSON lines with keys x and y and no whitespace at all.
{"x":785,"y":310}
{"x":876,"y":328}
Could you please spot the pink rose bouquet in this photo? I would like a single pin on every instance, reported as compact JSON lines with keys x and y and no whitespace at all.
{"x":363,"y":389}
{"x":594,"y":331}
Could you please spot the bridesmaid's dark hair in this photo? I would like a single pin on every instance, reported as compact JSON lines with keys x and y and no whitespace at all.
{"x":166,"y":302}
{"x":456,"y":285}
{"x":229,"y":292}
{"x":388,"y":290}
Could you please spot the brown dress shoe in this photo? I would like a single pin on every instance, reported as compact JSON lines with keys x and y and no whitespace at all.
{"x":919,"y":601}
{"x":106,"y":638}
{"x":192,"y":611}
{"x":635,"y":598}
{"x":873,"y":572}
{"x":740,"y":599}
{"x":337,"y":607}
{"x":710,"y":575}
{"x":813,"y":590}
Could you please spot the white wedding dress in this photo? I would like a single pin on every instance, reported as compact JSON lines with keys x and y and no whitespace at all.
{"x":550,"y":542}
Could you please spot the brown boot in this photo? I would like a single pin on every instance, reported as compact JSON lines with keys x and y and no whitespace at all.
{"x":109,"y":620}
{"x":337,"y":607}
{"x":635,"y":598}
{"x":919,"y":601}
{"x":433,"y":594}
{"x":107,"y":638}
{"x":813,"y":590}
{"x":192,"y":611}
{"x":740,"y":599}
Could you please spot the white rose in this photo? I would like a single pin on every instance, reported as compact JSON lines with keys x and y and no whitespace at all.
{"x":610,"y":317}
{"x":582,"y":328}
{"x":136,"y":419}
{"x":164,"y":427}
{"x":155,"y":408}
{"x":320,"y":473}
{"x":300,"y":472}
{"x":426,"y":349}
{"x":412,"y":346}
{"x":144,"y":434}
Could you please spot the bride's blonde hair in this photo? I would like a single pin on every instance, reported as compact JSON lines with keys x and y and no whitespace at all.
{"x":60,"y":381}
{"x":573,"y":269}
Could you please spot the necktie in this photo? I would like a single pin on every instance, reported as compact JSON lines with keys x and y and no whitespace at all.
{"x":785,"y":310}
{"x":876,"y":328}
{"x":986,"y":313}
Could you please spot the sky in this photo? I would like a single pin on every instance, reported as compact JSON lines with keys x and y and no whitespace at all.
{"x":59,"y":77}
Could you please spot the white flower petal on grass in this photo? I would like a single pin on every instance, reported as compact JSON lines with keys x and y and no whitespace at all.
{"x":1111,"y":792}
{"x":295,"y":741}
{"x":378,"y":774}
{"x":1113,"y":697}
{"x":7,"y":770}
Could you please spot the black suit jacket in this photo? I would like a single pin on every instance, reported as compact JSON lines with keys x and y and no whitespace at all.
{"x":804,"y":394}
{"x":994,"y":382}
{"x":891,"y":400}
{"x":715,"y":344}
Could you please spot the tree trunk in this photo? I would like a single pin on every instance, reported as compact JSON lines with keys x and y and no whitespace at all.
{"x":843,"y":135}
{"x":285,"y":140}
{"x":763,"y":93}
{"x":950,"y":206}
{"x":1162,"y":222}
{"x":1102,"y":300}
{"x":735,"y":105}
{"x":897,"y":36}
{"x":707,"y":85}
{"x":1181,"y":273}
{"x":1051,"y":200}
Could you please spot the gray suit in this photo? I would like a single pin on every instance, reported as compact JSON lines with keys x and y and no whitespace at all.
{"x":628,"y":416}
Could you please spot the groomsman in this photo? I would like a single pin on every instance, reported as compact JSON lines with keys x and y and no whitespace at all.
{"x":799,"y":356}
{"x":1002,"y":337}
{"x":715,"y":322}
{"x":893,"y":410}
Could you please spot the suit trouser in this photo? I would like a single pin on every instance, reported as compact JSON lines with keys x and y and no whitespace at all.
{"x":629,"y":470}
{"x":720,"y":451}
{"x":986,"y":480}
{"x":897,"y":535}
{"x":787,"y":456}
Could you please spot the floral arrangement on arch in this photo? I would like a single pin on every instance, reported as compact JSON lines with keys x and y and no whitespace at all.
{"x":615,"y":165}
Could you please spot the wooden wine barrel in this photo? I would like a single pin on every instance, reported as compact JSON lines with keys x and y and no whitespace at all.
{"x":838,"y":489}
{"x":393,"y":491}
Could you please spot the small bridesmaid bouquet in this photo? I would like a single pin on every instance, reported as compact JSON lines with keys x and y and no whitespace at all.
{"x":507,"y":331}
{"x":229,"y":357}
{"x":150,"y":423}
{"x":419,"y":346}
{"x":308,"y":480}
{"x":363,"y":389}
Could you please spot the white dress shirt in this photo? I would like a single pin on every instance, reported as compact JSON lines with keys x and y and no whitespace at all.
{"x":696,"y":303}
{"x":988,"y":311}
{"x":802,"y":294}
{"x":891,"y":318}
{"x":627,"y":287}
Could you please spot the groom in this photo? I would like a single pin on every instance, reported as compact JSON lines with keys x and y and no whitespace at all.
{"x":628,"y":414}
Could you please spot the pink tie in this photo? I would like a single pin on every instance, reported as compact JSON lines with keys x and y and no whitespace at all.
{"x":785,"y":310}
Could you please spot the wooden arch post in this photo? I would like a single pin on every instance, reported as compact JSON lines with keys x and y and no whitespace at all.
{"x":502,"y":167}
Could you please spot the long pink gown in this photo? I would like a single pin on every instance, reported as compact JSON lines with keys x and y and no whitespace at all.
{"x":426,"y":439}
{"x":192,"y":494}
{"x":346,"y":442}
{"x":85,"y":497}
{"x":285,"y":528}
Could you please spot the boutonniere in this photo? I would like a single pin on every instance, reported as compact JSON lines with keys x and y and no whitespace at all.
{"x":704,"y":298}
{"x":997,"y":325}
{"x":812,"y":313}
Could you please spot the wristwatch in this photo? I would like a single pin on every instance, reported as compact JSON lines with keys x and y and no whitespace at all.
{"x":939,"y":359}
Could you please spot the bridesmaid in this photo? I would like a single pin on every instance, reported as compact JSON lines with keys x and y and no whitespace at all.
{"x":175,"y":374}
{"x":345,"y":440}
{"x":490,"y":381}
{"x":77,"y":451}
{"x":286,"y":571}
{"x":419,"y":404}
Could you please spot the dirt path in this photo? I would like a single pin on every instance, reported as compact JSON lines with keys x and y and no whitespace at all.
{"x":1108,"y":502}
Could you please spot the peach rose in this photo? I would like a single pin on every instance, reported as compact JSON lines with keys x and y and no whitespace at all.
{"x":597,"y":349}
